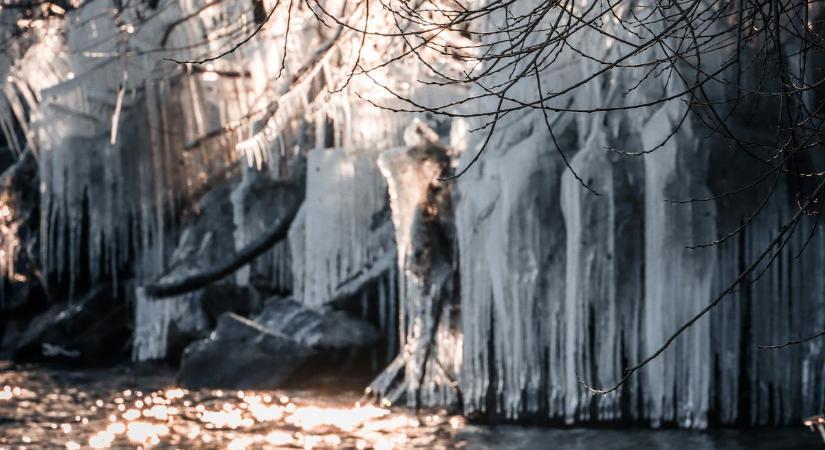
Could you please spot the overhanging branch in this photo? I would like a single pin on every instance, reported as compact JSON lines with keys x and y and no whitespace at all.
{"x":275,"y":234}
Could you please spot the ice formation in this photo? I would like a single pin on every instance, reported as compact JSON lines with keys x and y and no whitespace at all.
{"x":343,"y":230}
{"x":613,"y":279}
{"x":501,"y":292}
{"x":422,"y":216}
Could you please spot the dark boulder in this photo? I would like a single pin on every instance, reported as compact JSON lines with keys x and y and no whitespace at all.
{"x":285,"y":343}
{"x":93,"y":329}
{"x":321,"y":330}
{"x":240,"y":354}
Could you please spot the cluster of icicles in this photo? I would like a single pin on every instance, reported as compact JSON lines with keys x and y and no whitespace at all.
{"x":555,"y":285}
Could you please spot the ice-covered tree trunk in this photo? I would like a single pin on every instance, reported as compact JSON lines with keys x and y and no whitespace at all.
{"x":422,"y":218}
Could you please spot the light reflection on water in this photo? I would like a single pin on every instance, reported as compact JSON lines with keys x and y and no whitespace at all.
{"x":115,"y":408}
{"x":123,"y":409}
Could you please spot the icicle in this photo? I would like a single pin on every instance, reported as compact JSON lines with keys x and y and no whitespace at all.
{"x":153,"y":319}
{"x":344,"y":192}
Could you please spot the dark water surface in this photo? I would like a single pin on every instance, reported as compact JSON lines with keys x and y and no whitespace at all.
{"x":125,"y":408}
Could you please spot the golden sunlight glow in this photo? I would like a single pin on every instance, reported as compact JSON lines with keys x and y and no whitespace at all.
{"x":173,"y":394}
{"x":237,"y":420}
{"x":226,"y":419}
{"x":131,"y":414}
{"x":265,"y":413}
{"x":146,"y":433}
{"x":278,"y":438}
{"x":345,"y":419}
{"x":102,"y":439}
{"x":9,"y":392}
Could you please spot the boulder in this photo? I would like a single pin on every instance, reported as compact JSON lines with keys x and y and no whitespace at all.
{"x":260,"y":200}
{"x":320,"y":330}
{"x":284,"y":341}
{"x":93,"y":329}
{"x":240,"y":354}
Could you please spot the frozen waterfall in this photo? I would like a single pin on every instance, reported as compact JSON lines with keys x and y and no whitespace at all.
{"x":501,"y":292}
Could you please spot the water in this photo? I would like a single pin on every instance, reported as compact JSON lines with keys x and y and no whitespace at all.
{"x":125,"y":408}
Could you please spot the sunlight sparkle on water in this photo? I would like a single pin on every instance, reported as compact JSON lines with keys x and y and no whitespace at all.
{"x":203,"y":419}
{"x":345,"y":419}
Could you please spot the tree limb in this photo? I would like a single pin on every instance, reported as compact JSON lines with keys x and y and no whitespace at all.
{"x":789,"y":343}
{"x":275,"y":234}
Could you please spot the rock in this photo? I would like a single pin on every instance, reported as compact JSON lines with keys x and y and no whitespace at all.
{"x":10,"y":334}
{"x":94,"y":329}
{"x":240,"y":354}
{"x":284,"y":341}
{"x":28,"y":344}
{"x":314,"y":329}
{"x":166,"y":325}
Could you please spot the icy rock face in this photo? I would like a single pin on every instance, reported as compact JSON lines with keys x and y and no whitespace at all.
{"x":257,"y":202}
{"x":784,"y":302}
{"x":609,"y":274}
{"x":512,"y":247}
{"x":202,"y":243}
{"x":423,"y":220}
{"x":594,"y":252}
{"x":677,"y":385}
{"x":603,"y":278}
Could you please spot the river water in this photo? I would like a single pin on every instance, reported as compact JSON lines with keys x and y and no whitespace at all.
{"x":127,"y":408}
